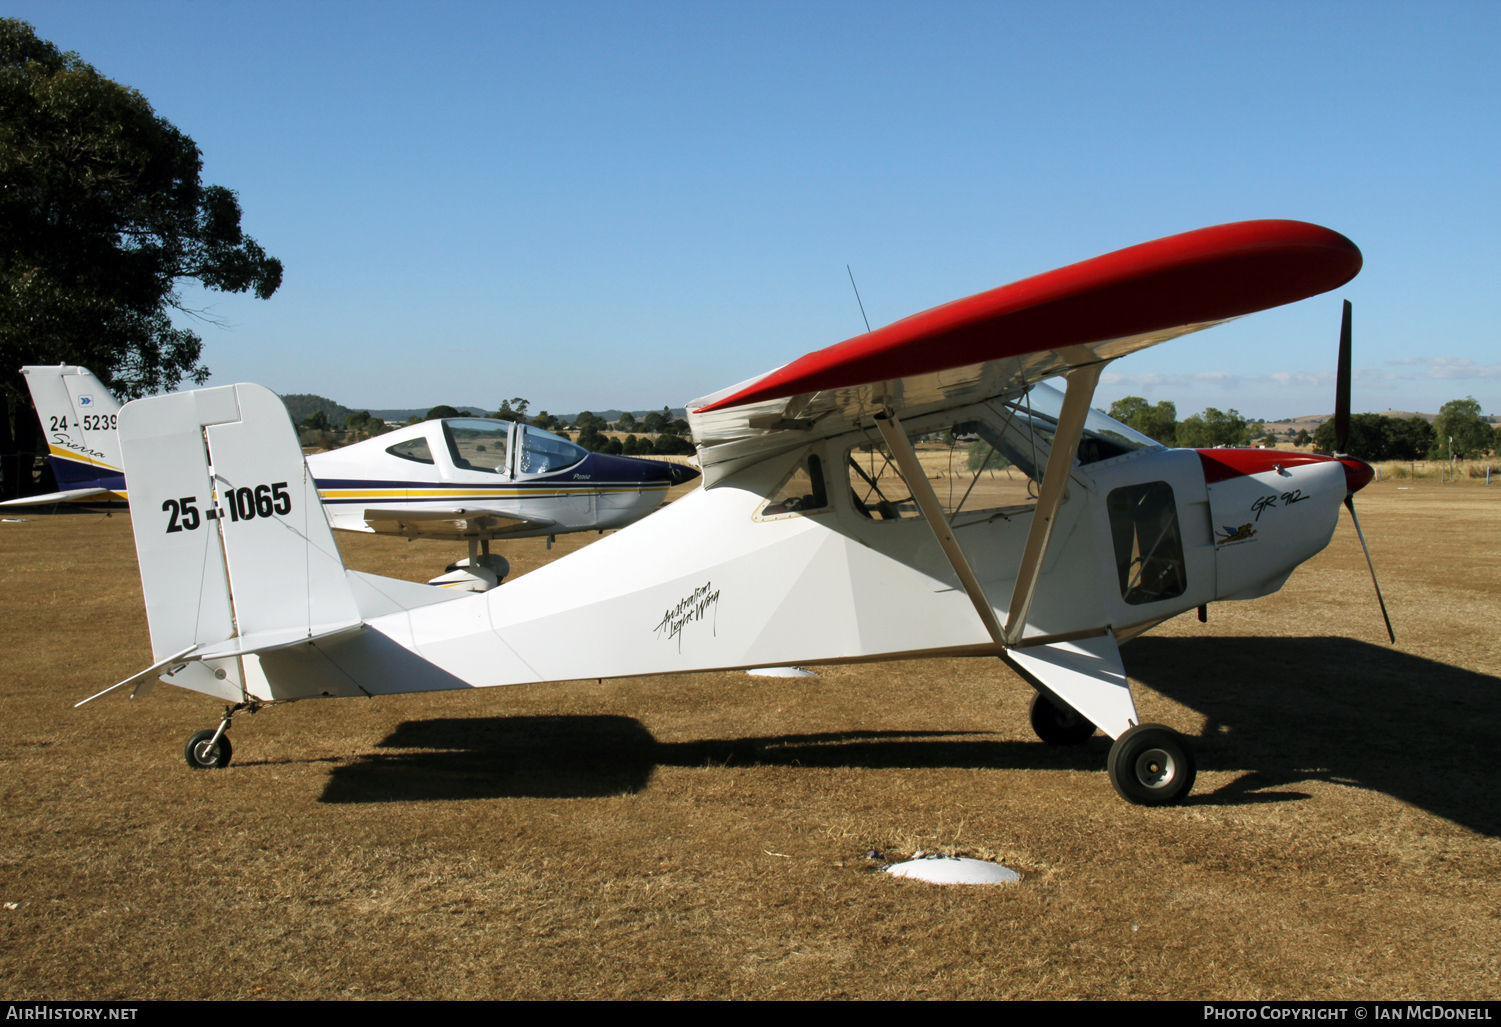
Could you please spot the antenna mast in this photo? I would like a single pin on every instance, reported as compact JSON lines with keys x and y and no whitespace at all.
{"x":857,"y":297}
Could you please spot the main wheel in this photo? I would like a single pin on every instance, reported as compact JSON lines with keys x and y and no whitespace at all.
{"x":1150,"y":766}
{"x":1059,"y":725}
{"x":201,"y":755}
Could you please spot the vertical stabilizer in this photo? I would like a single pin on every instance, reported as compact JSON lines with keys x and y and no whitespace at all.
{"x":235,"y":553}
{"x":79,"y":419}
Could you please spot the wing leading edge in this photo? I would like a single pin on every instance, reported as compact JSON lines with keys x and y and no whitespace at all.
{"x":1007,"y":338}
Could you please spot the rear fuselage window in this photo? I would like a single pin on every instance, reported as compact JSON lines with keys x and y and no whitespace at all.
{"x":1148,"y":544}
{"x":413,"y":449}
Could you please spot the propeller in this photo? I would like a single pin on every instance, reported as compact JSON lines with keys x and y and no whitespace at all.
{"x":1342,"y":387}
{"x":1341,"y":443}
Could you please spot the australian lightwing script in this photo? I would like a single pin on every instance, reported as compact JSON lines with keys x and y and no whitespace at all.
{"x":695,"y":607}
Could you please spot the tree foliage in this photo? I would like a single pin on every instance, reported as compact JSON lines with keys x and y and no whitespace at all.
{"x":1159,"y":422}
{"x":1460,"y":420}
{"x":1378,"y":437}
{"x":1214,"y":427}
{"x":103,"y":213}
{"x":513,"y":409}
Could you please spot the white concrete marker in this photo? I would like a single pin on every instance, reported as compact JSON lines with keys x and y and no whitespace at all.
{"x":936,"y":869}
{"x":781,"y":672}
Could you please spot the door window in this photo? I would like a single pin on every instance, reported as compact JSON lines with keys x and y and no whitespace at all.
{"x":1148,"y":544}
{"x":479,"y":444}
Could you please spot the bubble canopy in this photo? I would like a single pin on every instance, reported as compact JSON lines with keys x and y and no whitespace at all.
{"x":485,"y":444}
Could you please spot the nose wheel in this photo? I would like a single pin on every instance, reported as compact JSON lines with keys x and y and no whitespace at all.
{"x":1150,"y":765}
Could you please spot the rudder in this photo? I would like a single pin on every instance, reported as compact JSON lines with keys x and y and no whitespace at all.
{"x":236,"y":556}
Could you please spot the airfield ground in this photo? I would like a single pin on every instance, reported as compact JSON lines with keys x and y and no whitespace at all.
{"x":706,"y":835}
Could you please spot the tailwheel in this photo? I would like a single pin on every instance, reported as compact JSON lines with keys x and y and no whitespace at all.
{"x":1151,"y":766}
{"x":1059,"y":725}
{"x":208,"y":749}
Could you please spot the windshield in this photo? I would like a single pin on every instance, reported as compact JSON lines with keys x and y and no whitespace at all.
{"x":1104,"y":437}
{"x":542,"y":451}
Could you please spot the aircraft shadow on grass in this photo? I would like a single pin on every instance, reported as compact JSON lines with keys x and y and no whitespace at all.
{"x":1282,"y":710}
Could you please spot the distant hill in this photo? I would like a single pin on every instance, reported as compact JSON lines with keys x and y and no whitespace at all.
{"x":304,"y":405}
{"x":408,"y":413}
{"x":1309,"y":422}
{"x":614,"y":415}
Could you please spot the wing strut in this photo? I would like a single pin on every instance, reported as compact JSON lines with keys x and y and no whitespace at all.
{"x":927,"y":502}
{"x":1081,"y":386}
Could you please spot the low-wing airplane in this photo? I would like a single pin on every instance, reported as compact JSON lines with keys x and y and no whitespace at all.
{"x":466,"y":479}
{"x":849,"y":512}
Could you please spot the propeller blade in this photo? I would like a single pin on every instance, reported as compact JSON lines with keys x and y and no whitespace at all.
{"x":1342,"y":386}
{"x":1350,"y":505}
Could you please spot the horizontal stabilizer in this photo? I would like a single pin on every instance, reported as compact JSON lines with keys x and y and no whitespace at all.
{"x":266,"y":641}
{"x":69,"y":496}
{"x":377,"y":596}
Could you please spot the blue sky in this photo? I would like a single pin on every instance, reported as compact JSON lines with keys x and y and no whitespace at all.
{"x":629,"y":204}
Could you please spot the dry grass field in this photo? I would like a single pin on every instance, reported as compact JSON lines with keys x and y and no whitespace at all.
{"x":706,"y":835}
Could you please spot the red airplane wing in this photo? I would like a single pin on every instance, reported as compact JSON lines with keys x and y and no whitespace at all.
{"x":1136,"y":296}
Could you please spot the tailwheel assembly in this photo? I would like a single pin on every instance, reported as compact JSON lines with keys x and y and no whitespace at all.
{"x":208,"y":749}
{"x":1151,"y":766}
{"x":211,"y":749}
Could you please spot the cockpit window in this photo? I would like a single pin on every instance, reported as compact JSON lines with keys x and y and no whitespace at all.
{"x":413,"y":449}
{"x":543,"y":451}
{"x":971,"y":465}
{"x":479,"y":444}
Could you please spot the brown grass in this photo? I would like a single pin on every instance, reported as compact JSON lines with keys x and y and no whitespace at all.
{"x":611,"y":840}
{"x":1440,"y":470}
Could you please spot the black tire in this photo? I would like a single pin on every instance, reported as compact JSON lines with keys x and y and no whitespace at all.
{"x":1059,"y":725}
{"x":1151,"y":766}
{"x":201,"y":757}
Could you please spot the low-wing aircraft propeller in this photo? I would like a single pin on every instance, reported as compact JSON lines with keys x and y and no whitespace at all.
{"x":853,"y":508}
{"x":464,"y":479}
{"x":1342,"y":449}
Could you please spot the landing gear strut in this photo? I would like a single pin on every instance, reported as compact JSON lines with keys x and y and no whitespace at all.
{"x":1150,"y":766}
{"x":207,"y":749}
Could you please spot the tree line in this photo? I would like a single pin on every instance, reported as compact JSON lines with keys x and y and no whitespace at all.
{"x":1372,"y":436}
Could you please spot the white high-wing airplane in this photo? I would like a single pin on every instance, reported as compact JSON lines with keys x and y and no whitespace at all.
{"x":847,"y":514}
{"x":466,"y":479}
